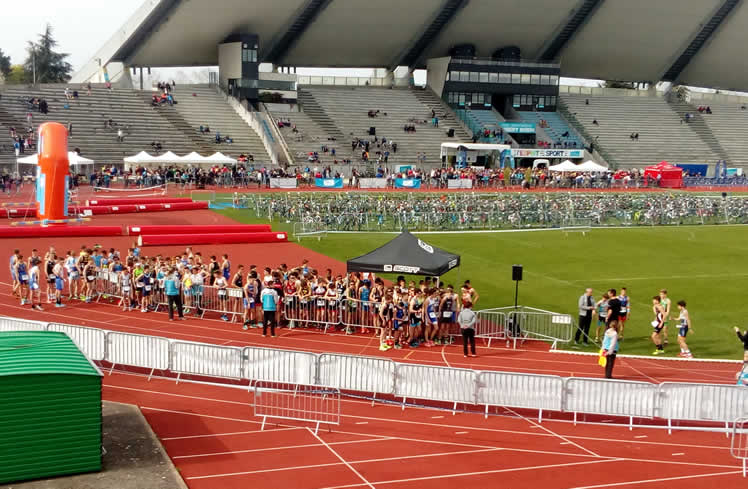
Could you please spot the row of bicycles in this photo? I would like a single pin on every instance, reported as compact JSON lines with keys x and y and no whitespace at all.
{"x":464,"y":211}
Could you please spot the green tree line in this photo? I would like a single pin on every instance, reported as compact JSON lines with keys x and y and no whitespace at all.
{"x":43,"y":63}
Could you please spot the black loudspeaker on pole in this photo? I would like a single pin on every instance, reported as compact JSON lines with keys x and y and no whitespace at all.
{"x":517,"y":277}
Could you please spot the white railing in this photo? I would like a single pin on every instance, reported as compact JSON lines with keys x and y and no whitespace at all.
{"x":700,"y":403}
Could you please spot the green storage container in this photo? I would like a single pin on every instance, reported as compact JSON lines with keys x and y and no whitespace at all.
{"x":50,"y":407}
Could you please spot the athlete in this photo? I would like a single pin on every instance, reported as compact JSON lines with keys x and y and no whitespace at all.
{"x":602,"y":313}
{"x":34,"y":287}
{"x":58,"y":270}
{"x":447,"y":315}
{"x":416,"y":318}
{"x":386,"y":314}
{"x":291,"y":298}
{"x":431,"y":317}
{"x":13,"y":274}
{"x":147,"y":285}
{"x":226,"y":267}
{"x":23,"y":279}
{"x":365,"y":310}
{"x":684,"y":320}
{"x":625,"y":311}
{"x":665,"y":303}
{"x":251,"y":290}
{"x":468,"y":293}
{"x":125,"y":281}
{"x":658,"y":323}
{"x":220,"y":283}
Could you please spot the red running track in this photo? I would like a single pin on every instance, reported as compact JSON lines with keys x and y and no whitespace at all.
{"x":533,"y":357}
{"x":215,"y":441}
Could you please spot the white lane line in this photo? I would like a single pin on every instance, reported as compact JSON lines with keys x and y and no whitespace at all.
{"x":640,"y":436}
{"x":533,"y":423}
{"x":212,"y":435}
{"x":342,"y":459}
{"x":631,"y":483}
{"x":678,"y":454}
{"x":461,"y":432}
{"x":444,"y":357}
{"x":437,"y":417}
{"x":362,"y":422}
{"x":485,"y":472}
{"x":271,"y":449}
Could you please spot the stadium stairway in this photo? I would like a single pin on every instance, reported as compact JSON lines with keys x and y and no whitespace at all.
{"x":428,"y":98}
{"x":662,"y":135}
{"x":728,"y":123}
{"x":140,"y":123}
{"x":309,"y":138}
{"x":202,"y":105}
{"x":556,"y":127}
{"x":348,"y":107}
{"x":7,"y":153}
{"x":700,"y":127}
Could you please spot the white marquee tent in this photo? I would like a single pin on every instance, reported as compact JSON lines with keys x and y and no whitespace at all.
{"x":591,"y":166}
{"x":78,"y":163}
{"x":169,"y":158}
{"x":565,"y":165}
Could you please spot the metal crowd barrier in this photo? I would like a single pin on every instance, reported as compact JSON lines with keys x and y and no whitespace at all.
{"x":702,"y":402}
{"x":611,"y":397}
{"x":331,"y":373}
{"x":297,"y":402}
{"x":313,"y":311}
{"x":491,"y":325}
{"x":739,"y":442}
{"x":524,"y":391}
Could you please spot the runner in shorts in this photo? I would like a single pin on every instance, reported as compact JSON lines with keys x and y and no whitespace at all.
{"x":665,"y":303}
{"x":625,"y":311}
{"x":431,"y":317}
{"x":251,"y":289}
{"x":602,"y":313}
{"x":59,"y":270}
{"x":386,"y":315}
{"x":220,"y":283}
{"x":71,"y":267}
{"x":146,"y":281}
{"x":125,"y":283}
{"x":742,"y":376}
{"x":447,"y":316}
{"x":35,"y":291}
{"x":399,"y":323}
{"x":658,"y":323}
{"x":13,"y":274}
{"x":89,"y":274}
{"x":684,"y":323}
{"x":363,"y":295}
{"x":23,"y":279}
{"x":415,"y":311}
{"x":50,"y":260}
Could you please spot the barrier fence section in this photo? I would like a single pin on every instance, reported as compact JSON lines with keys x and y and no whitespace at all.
{"x":611,"y":397}
{"x":525,"y":391}
{"x":91,"y":341}
{"x":491,"y":325}
{"x":702,"y":402}
{"x":360,"y":314}
{"x":207,"y":360}
{"x":542,"y":325}
{"x":445,"y":384}
{"x":107,"y":286}
{"x":354,"y":373}
{"x":136,"y":350}
{"x":739,"y":442}
{"x":314,"y":311}
{"x":297,"y":402}
{"x":271,"y":365}
{"x":330,"y":373}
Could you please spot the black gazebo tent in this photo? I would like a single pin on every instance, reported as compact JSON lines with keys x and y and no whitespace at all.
{"x":408,"y":255}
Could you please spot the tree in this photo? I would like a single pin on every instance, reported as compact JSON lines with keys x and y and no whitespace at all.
{"x":4,"y":63}
{"x":49,"y":65}
{"x":16,"y":75}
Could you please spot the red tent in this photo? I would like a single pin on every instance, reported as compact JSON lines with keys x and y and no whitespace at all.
{"x":669,"y":176}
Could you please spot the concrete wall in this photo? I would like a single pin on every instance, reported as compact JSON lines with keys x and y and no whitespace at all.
{"x":436,"y":74}
{"x":229,"y":62}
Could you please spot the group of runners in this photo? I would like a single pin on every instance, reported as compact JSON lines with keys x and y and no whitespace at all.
{"x":402,"y":314}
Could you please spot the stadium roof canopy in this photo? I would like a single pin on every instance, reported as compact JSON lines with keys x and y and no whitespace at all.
{"x":695,"y":42}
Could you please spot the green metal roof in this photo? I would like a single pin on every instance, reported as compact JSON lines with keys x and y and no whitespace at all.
{"x":42,"y":352}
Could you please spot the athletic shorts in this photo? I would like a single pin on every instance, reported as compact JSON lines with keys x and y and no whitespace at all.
{"x":396,"y":325}
{"x":34,"y":286}
{"x":601,"y":322}
{"x":248,"y":304}
{"x":51,"y":279}
{"x":187,"y":291}
{"x":13,"y":276}
{"x":146,"y":293}
{"x":683,"y":331}
{"x":414,"y":323}
{"x":59,"y":284}
{"x":657,"y":330}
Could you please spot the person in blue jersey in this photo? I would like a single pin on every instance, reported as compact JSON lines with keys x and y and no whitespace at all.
{"x":23,"y":279}
{"x":58,"y":271}
{"x":146,"y":282}
{"x":73,"y":273}
{"x":226,"y":267}
{"x":400,"y":322}
{"x":610,"y":347}
{"x":251,"y":292}
{"x":365,"y":311}
{"x":625,"y":311}
{"x":172,"y":283}
{"x":269,"y":299}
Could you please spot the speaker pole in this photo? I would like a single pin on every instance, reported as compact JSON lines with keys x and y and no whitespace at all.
{"x":516,"y":293}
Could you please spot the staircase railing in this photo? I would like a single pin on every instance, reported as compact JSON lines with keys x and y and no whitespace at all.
{"x":255,"y":121}
{"x":280,"y":140}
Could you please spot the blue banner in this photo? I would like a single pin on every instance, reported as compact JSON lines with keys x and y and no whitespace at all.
{"x":328,"y":182}
{"x":518,"y":127}
{"x":407,"y":183}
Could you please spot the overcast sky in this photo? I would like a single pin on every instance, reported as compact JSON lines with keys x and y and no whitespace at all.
{"x":81,"y":27}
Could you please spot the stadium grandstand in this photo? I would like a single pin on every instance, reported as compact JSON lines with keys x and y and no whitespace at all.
{"x":482,"y":84}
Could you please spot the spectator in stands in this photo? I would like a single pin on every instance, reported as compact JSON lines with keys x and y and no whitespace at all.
{"x":595,"y":123}
{"x":88,"y":89}
{"x":120,"y":136}
{"x":218,"y":137}
{"x":43,"y":107}
{"x":586,"y":101}
{"x":75,"y":94}
{"x":708,"y":110}
{"x":67,"y":93}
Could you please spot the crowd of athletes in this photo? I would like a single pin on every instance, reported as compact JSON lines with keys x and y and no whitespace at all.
{"x":402,"y":314}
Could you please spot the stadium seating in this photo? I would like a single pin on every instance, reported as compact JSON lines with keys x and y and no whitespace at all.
{"x":483,"y":119}
{"x":309,"y":138}
{"x":202,"y":105}
{"x":348,"y":107}
{"x":130,"y":110}
{"x":555,"y":128}
{"x":141,"y":124}
{"x":662,"y":136}
{"x":728,"y":123}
